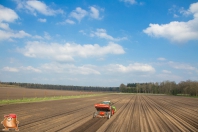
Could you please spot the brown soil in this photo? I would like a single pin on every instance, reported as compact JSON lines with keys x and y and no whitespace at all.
{"x":19,"y":93}
{"x":135,"y":112}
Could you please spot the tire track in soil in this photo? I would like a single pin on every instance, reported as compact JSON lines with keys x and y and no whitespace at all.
{"x":184,"y":113}
{"x":39,"y":123}
{"x":87,"y":118}
{"x":95,"y":123}
{"x":163,"y":124}
{"x":144,"y":122}
{"x":175,"y":117}
{"x":63,"y":124}
{"x":135,"y":112}
{"x":41,"y":118}
{"x":116,"y":122}
{"x":90,"y":126}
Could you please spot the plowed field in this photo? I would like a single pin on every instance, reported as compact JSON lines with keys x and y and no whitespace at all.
{"x":19,"y":93}
{"x":135,"y":113}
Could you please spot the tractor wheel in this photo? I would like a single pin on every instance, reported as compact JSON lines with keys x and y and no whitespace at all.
{"x":94,"y":114}
{"x":109,"y":116}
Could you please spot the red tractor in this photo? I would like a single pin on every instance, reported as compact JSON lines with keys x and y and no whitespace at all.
{"x":104,"y":109}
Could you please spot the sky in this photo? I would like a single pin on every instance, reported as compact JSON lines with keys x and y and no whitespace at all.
{"x":98,"y":42}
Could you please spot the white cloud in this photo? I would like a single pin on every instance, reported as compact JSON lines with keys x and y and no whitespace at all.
{"x":135,"y":67}
{"x":7,"y":15}
{"x":182,"y":66}
{"x":83,"y":32}
{"x":35,"y":6}
{"x":47,"y":36}
{"x":42,"y":20}
{"x":85,"y":70}
{"x":101,"y":33}
{"x":95,"y":13}
{"x":175,"y":15}
{"x":67,"y":21}
{"x":10,"y":69}
{"x":177,"y":31}
{"x":129,"y":1}
{"x":30,"y":68}
{"x":70,"y":69}
{"x":5,"y":35}
{"x":67,"y":51}
{"x":37,"y":37}
{"x":4,"y":26}
{"x":21,"y":69}
{"x":161,"y":59}
{"x":70,"y":21}
{"x":192,"y":10}
{"x":166,"y":71}
{"x":174,"y":10}
{"x":78,"y":13}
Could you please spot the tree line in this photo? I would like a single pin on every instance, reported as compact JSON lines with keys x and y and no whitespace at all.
{"x":166,"y":87}
{"x":64,"y":87}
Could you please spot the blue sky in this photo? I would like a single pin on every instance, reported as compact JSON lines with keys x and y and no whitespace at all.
{"x":98,"y":43}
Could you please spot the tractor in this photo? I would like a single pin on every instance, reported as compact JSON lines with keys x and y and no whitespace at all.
{"x":104,"y":109}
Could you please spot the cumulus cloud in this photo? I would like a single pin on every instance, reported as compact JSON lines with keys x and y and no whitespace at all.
{"x":102,"y":33}
{"x":37,"y":37}
{"x":6,"y":35}
{"x":135,"y":67}
{"x":22,"y":68}
{"x":78,"y":13}
{"x":161,"y":59}
{"x":10,"y":69}
{"x":42,"y":20}
{"x":70,"y":68}
{"x":4,"y":26}
{"x":95,"y":12}
{"x":35,"y":6}
{"x":70,"y":21}
{"x":129,"y":1}
{"x":177,"y":31}
{"x":88,"y":69}
{"x":182,"y":66}
{"x":67,"y":21}
{"x":47,"y":36}
{"x":67,"y":51}
{"x":7,"y":15}
{"x":30,"y":68}
{"x":166,"y":71}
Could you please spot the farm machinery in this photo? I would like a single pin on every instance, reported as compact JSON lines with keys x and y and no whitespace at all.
{"x":104,"y":109}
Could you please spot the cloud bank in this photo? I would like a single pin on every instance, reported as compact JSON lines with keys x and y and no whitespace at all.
{"x":176,"y":31}
{"x":68,"y":51}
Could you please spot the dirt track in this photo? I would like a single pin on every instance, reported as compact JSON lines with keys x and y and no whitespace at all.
{"x":155,"y":113}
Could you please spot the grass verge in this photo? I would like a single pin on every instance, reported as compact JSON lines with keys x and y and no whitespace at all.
{"x":29,"y":100}
{"x":186,"y":95}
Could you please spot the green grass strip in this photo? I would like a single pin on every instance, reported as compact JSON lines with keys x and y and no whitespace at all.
{"x":29,"y":100}
{"x":186,"y":95}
